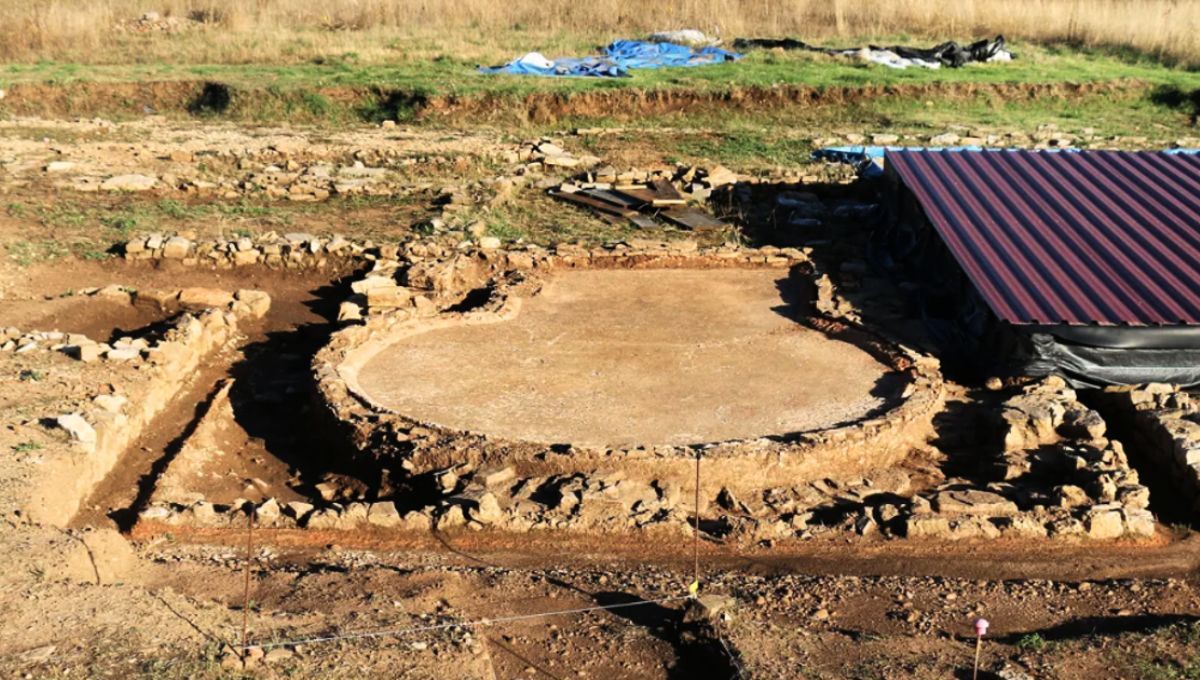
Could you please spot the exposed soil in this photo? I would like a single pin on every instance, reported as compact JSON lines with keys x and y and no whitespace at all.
{"x":217,"y":99}
{"x":98,"y":318}
{"x":598,"y":357}
{"x":265,"y":440}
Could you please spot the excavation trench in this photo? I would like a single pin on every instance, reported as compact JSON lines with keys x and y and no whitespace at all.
{"x":270,"y":445}
{"x":1170,"y":501}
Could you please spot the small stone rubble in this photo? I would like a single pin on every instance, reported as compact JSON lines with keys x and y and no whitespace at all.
{"x":152,"y":155}
{"x":696,"y":183}
{"x":247,"y":304}
{"x":289,"y":180}
{"x":1044,"y":136}
{"x":545,"y":154}
{"x":1056,"y":474}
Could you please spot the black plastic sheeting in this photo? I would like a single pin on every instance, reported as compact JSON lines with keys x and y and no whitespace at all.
{"x":968,"y":334}
{"x":949,"y":53}
{"x":1092,"y":366}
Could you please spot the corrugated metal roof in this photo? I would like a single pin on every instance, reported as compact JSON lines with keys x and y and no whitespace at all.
{"x":1087,"y":237}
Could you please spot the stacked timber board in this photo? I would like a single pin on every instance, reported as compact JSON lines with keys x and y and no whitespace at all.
{"x":640,"y":204}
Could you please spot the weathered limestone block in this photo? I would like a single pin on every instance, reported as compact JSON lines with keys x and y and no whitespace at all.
{"x":204,"y":297}
{"x":974,"y":502}
{"x":927,"y":526}
{"x":176,"y":248}
{"x":79,"y":430}
{"x":257,"y":302}
{"x":389,"y":298}
{"x":1104,"y":523}
{"x":383,"y":514}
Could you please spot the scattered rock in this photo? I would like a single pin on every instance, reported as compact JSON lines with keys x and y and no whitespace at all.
{"x":79,"y":429}
{"x":129,"y":183}
{"x":709,"y":607}
{"x":257,"y":301}
{"x":1010,"y":672}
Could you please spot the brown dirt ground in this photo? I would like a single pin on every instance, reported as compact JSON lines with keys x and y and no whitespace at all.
{"x":829,"y":608}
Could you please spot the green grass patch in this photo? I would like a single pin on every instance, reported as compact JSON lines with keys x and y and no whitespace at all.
{"x":744,"y":148}
{"x":1170,"y":653}
{"x":306,"y":91}
{"x":1033,"y":642}
{"x":27,"y":252}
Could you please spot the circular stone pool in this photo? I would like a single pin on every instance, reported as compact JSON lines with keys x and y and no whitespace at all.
{"x":621,"y":357}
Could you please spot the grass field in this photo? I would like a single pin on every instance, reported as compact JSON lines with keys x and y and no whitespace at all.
{"x":348,"y":89}
{"x":355,"y":60}
{"x":458,"y":76}
{"x":386,"y":31}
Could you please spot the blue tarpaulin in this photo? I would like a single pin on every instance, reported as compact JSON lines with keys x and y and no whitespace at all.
{"x":617,"y":60}
{"x":868,"y":160}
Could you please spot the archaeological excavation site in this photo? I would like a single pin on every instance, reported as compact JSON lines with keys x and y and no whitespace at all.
{"x":507,"y":385}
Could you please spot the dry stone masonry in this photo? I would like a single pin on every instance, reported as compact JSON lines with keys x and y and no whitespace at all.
{"x":1165,"y":423}
{"x":1055,"y":474}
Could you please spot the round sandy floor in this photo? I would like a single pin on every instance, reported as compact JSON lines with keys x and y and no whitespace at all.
{"x":606,"y":357}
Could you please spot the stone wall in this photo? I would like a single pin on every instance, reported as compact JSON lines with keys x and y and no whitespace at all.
{"x":1165,"y":420}
{"x":427,"y":281}
{"x":294,"y":250}
{"x":1055,"y":473}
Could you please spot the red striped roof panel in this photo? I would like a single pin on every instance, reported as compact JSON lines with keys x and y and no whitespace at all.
{"x":1086,"y":237}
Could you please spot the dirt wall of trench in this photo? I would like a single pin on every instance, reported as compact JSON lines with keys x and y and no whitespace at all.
{"x":65,"y":481}
{"x":370,"y":103}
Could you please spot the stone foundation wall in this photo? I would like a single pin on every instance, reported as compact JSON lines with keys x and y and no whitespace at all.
{"x":290,"y":251}
{"x":1166,"y":422}
{"x":1055,"y":474}
{"x":430,"y":282}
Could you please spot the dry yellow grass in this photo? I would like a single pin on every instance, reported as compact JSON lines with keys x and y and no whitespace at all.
{"x":243,"y":31}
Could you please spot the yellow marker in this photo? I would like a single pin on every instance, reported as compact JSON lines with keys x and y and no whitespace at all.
{"x":694,"y":588}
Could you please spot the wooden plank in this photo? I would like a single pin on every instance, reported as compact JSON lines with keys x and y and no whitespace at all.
{"x":691,"y":218}
{"x":612,"y":197}
{"x":643,"y":222}
{"x":641,"y":195}
{"x":667,"y":192}
{"x":594,"y":204}
{"x":650,"y":197}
